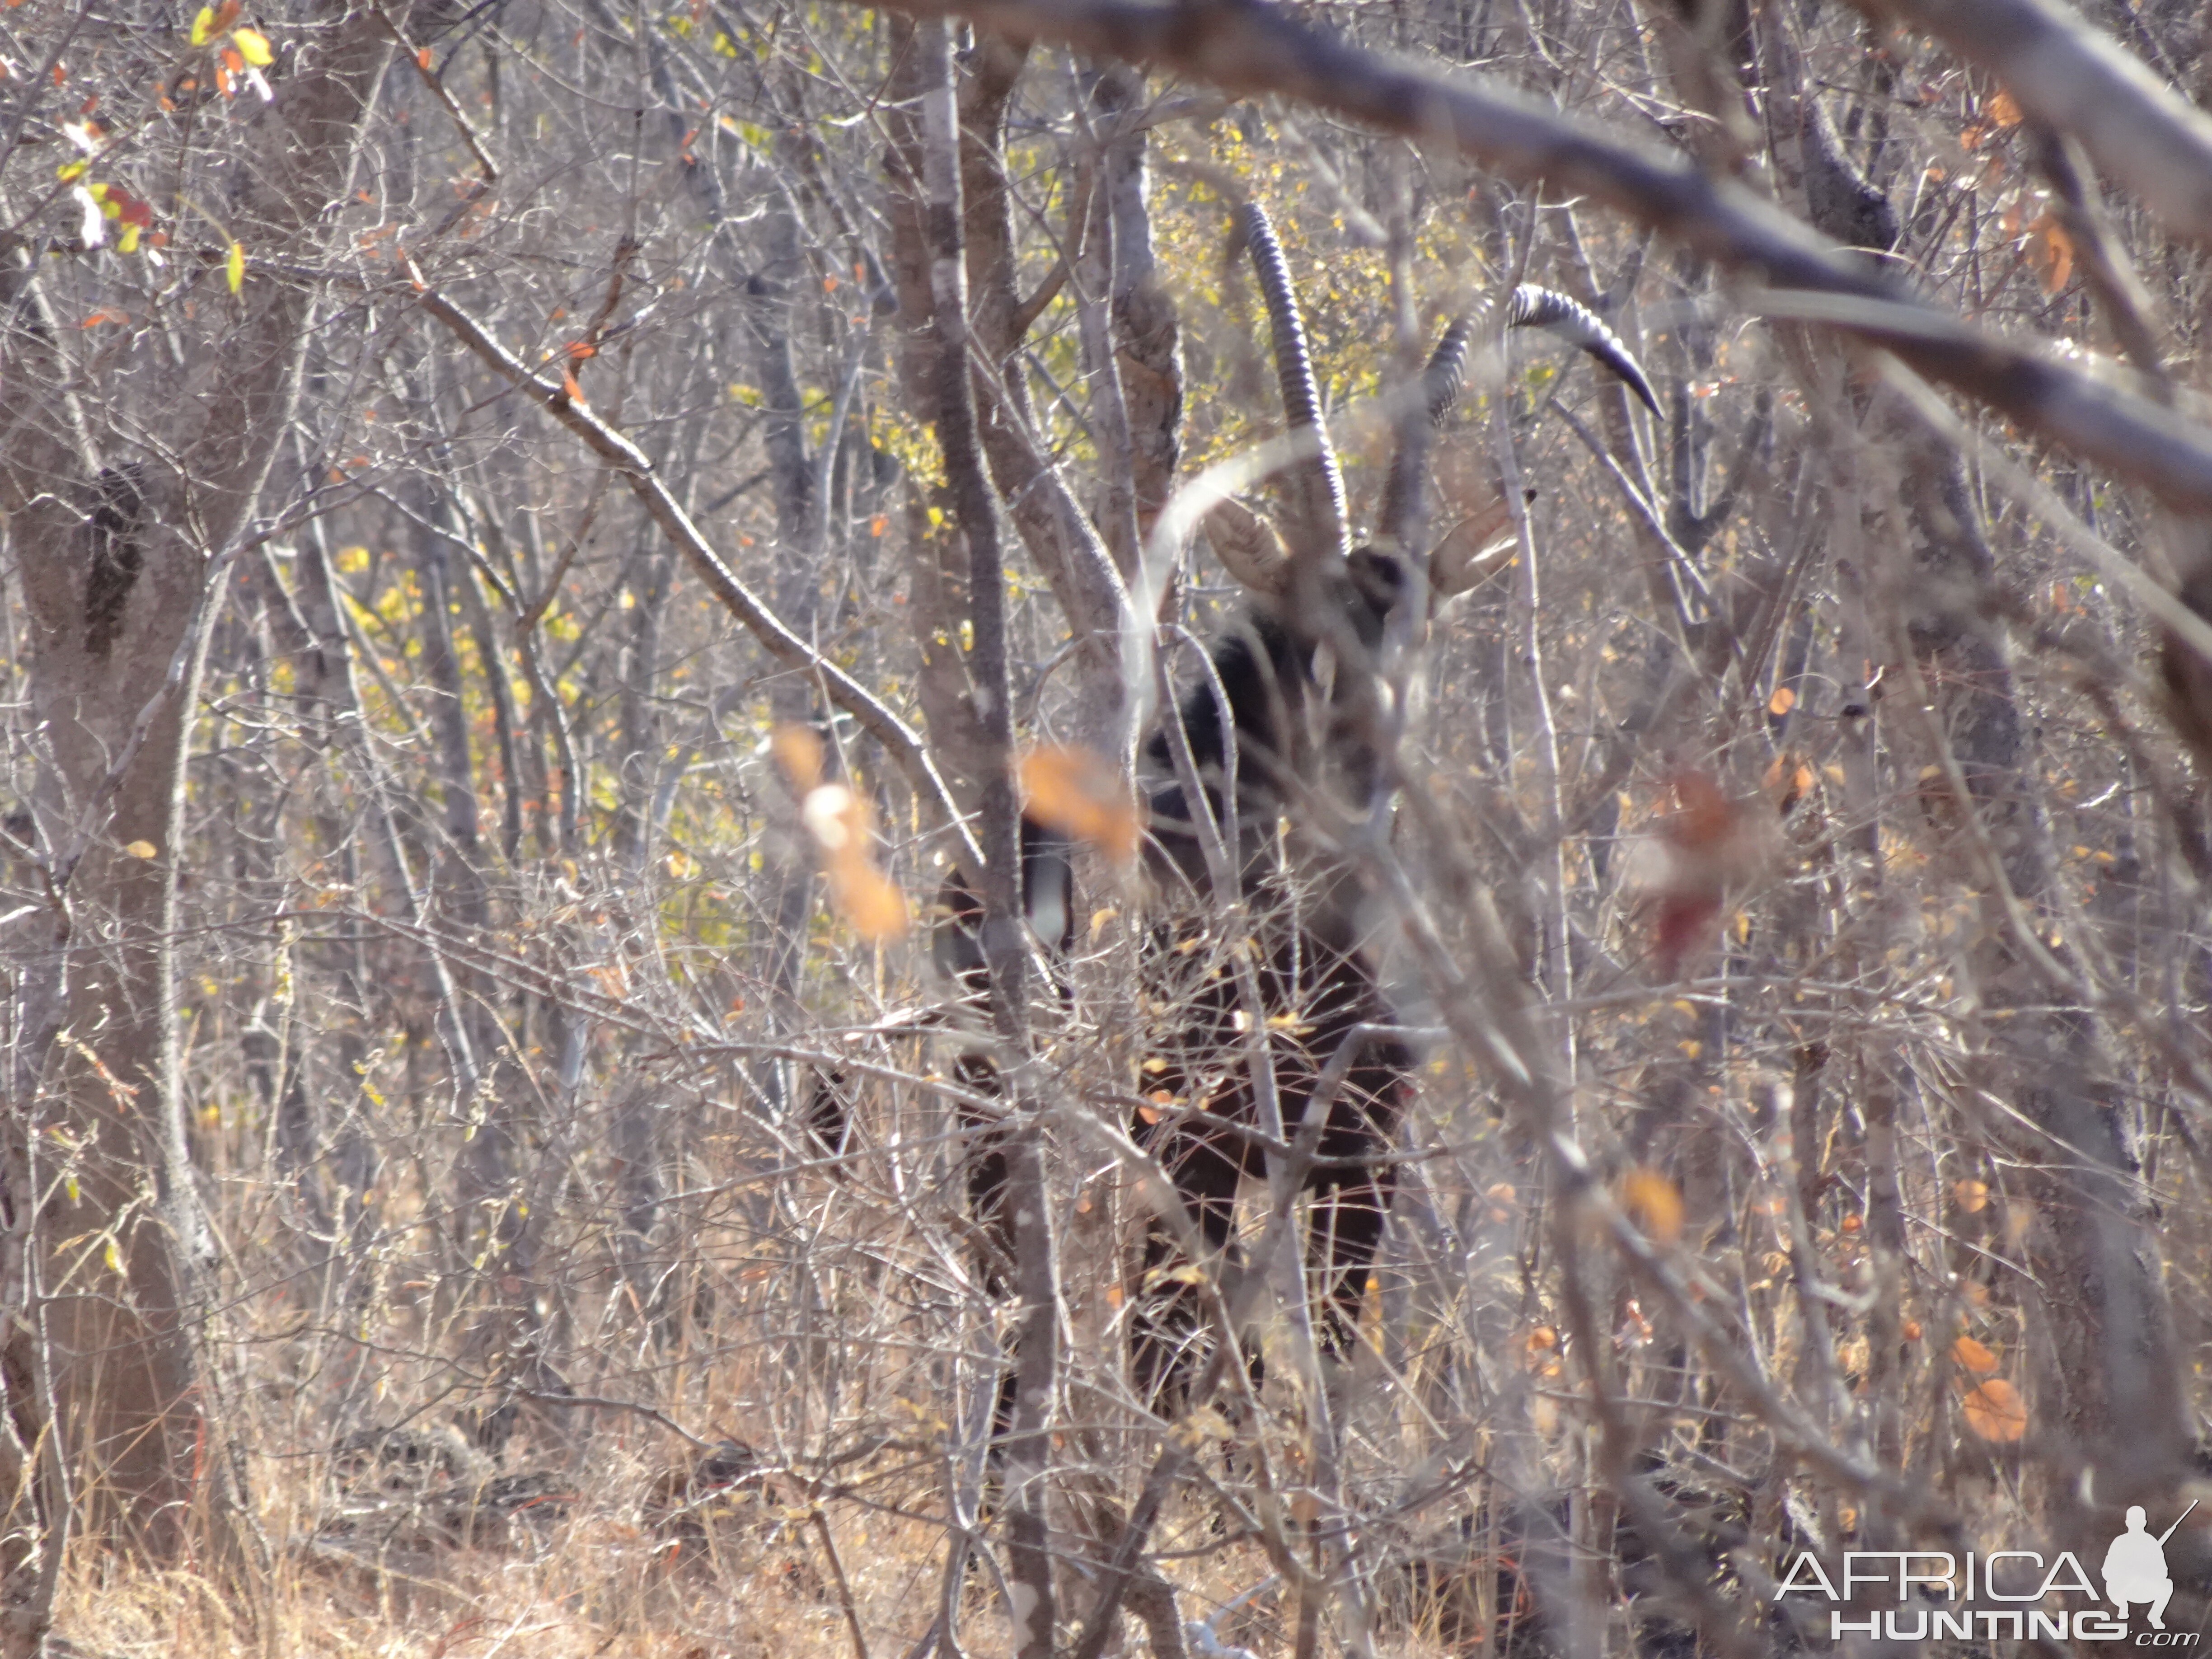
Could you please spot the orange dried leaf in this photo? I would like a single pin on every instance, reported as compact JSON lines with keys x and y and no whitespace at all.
{"x":1995,"y":1411}
{"x":1080,"y":793}
{"x":1974,"y":1356}
{"x":868,"y":899}
{"x":1703,"y":817}
{"x":797,"y":750}
{"x":1782,"y":702}
{"x":1652,"y":1200}
{"x":2053,"y":253}
{"x":1789,"y":780}
{"x":568,"y":385}
{"x":1974,"y":1196}
{"x":2002,"y":110}
{"x":422,"y":58}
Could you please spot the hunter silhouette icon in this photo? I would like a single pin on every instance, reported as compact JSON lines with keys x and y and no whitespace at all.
{"x":2134,"y":1567}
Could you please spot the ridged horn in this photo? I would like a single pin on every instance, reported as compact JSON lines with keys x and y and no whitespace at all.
{"x":1543,"y":307}
{"x":1317,"y":483}
{"x":1440,"y":387}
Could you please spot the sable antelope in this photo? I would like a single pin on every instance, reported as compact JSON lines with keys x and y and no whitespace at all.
{"x":1271,"y":747}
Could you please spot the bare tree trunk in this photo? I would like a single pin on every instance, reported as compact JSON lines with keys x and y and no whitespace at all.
{"x":2109,"y":1361}
{"x":126,"y":515}
{"x":797,"y":591}
{"x":101,"y":1058}
{"x":977,"y":731}
{"x":1058,"y":533}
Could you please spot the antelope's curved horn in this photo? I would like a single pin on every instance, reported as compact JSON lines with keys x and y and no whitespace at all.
{"x":1247,"y":546}
{"x":1440,"y":386}
{"x":1571,"y":320}
{"x":1318,"y":482}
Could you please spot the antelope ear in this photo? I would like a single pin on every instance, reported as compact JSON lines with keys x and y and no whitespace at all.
{"x":1472,"y":551}
{"x":1249,"y":546}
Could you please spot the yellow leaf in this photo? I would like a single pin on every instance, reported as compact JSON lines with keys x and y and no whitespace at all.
{"x":204,"y":25}
{"x":1657,"y":1206}
{"x":253,"y":46}
{"x":234,"y":267}
{"x":1974,"y":1356}
{"x":141,"y":849}
{"x":1995,"y":1410}
{"x":113,"y":1257}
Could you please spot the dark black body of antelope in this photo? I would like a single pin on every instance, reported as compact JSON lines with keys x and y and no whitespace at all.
{"x":1273,"y":753}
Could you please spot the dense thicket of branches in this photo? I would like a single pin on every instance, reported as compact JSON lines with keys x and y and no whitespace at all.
{"x":534,"y":536}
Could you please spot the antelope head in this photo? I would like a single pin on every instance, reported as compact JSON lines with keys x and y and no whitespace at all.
{"x":1265,"y":559}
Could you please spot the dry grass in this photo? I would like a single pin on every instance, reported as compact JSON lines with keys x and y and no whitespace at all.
{"x":596,"y":1583}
